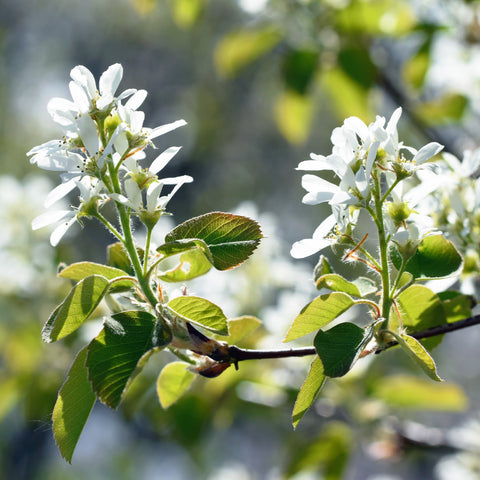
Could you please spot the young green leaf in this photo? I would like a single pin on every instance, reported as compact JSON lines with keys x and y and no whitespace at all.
{"x":117,"y":257}
{"x":456,"y":305}
{"x":337,"y":283}
{"x":118,"y":351}
{"x":72,"y":409}
{"x":231,"y":239}
{"x":79,"y":304}
{"x":436,"y":257}
{"x":241,"y":327}
{"x":415,"y":350}
{"x":309,"y":391}
{"x":201,"y":312}
{"x":340,"y":346}
{"x":81,"y":270}
{"x":173,"y":382}
{"x":319,"y":313}
{"x":192,"y":264}
{"x":420,"y":309}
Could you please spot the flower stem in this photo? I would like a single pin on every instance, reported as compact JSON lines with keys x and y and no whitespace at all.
{"x":383,"y":245}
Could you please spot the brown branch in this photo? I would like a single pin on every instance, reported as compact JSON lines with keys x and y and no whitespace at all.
{"x":237,"y":354}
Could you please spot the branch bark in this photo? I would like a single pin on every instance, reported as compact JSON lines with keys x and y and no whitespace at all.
{"x":237,"y":354}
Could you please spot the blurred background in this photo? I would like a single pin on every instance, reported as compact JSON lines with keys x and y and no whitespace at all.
{"x":261,"y":83}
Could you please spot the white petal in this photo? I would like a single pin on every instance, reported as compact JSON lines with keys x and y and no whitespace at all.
{"x":427,"y":151}
{"x":47,"y":218}
{"x":136,"y":121}
{"x":85,"y":79}
{"x":177,"y":180}
{"x":134,"y":193}
{"x":80,"y":97}
{"x":312,"y":183}
{"x":87,"y":131}
{"x":305,"y":248}
{"x":372,"y":154}
{"x":156,"y":132}
{"x":136,"y":100}
{"x":162,"y":160}
{"x":60,"y":231}
{"x":60,"y":191}
{"x":153,"y":193}
{"x":324,"y":228}
{"x":110,"y":80}
{"x":357,"y":126}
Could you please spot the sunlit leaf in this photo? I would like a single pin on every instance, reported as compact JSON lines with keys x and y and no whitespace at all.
{"x":173,"y":382}
{"x":191,"y":264}
{"x":436,"y":257}
{"x":381,"y":17}
{"x":77,"y":307}
{"x":231,"y":239}
{"x":186,"y":12}
{"x":121,"y":348}
{"x":337,"y":283}
{"x":81,"y":270}
{"x":241,"y":327}
{"x":348,"y":97}
{"x":447,"y":109}
{"x":415,"y":350}
{"x":236,"y":50}
{"x":340,"y":346}
{"x":417,"y":66}
{"x":117,"y":257}
{"x":323,"y":267}
{"x":72,"y":409}
{"x":456,"y":305}
{"x":420,"y":309}
{"x":319,"y":313}
{"x":309,"y":391}
{"x":403,"y":391}
{"x":200,"y":311}
{"x":294,"y":115}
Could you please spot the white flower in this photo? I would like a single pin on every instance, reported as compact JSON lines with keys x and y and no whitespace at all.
{"x":309,"y":246}
{"x":90,"y":191}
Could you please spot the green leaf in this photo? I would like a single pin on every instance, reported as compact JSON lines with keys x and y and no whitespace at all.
{"x":366,"y":286}
{"x":241,"y":327}
{"x":118,"y":351}
{"x":403,"y":391}
{"x":381,"y":17}
{"x":236,"y":50}
{"x":340,"y":346}
{"x":79,"y":304}
{"x":294,"y":115}
{"x":356,"y":63}
{"x":436,"y":257}
{"x":309,"y":391}
{"x":448,"y":109}
{"x":186,"y":12}
{"x":173,"y":382}
{"x":81,"y":270}
{"x":337,"y":283}
{"x":417,"y":66}
{"x":201,"y":312}
{"x":117,"y":257}
{"x":299,"y":68}
{"x":415,"y":350}
{"x":192,"y":264}
{"x":420,"y":309}
{"x":72,"y":409}
{"x":231,"y":239}
{"x":456,"y":305}
{"x":323,"y":267}
{"x":319,"y":313}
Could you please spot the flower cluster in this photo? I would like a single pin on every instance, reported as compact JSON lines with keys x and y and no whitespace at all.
{"x":103,"y":141}
{"x":370,"y":163}
{"x":454,"y":205}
